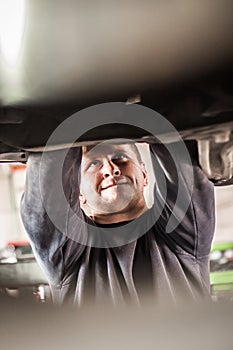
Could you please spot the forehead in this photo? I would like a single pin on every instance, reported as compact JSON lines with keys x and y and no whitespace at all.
{"x":107,"y":149}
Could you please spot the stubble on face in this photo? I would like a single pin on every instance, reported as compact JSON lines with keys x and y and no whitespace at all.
{"x":112,"y":194}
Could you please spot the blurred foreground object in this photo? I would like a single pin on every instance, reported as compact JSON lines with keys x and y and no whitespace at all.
{"x":173,"y":57}
{"x":200,"y":326}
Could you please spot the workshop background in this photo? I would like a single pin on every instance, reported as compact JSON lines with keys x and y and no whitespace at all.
{"x":58,"y":59}
{"x":12,"y":181}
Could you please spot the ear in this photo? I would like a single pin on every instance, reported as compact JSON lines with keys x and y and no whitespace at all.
{"x":144,"y":172}
{"x":82,"y":199}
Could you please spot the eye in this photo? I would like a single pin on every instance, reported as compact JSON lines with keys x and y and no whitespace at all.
{"x":119,"y":158}
{"x":93,"y":165}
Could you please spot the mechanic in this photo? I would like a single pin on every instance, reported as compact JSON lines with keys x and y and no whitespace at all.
{"x":113,"y":248}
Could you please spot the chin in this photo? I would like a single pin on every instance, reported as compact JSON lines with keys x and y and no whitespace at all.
{"x":117,"y":206}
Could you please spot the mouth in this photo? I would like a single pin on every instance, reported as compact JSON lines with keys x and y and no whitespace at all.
{"x":114,"y":184}
{"x":107,"y":187}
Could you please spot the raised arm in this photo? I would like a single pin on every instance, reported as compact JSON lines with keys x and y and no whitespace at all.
{"x":42,"y":196}
{"x":188,"y":210}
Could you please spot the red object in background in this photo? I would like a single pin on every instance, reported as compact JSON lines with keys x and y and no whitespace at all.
{"x":18,"y":243}
{"x":17,"y":167}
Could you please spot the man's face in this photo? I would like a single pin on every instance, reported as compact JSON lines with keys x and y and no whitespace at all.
{"x":112,"y":178}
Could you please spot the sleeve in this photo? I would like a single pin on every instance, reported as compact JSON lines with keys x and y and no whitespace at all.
{"x":183,"y":198}
{"x":51,"y":192}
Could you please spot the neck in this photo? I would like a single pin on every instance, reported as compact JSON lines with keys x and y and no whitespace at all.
{"x":113,"y":218}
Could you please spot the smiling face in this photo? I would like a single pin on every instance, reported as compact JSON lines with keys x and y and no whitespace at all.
{"x":112,"y":179}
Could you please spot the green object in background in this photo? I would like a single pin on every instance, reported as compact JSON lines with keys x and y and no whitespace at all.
{"x":221,"y":276}
{"x":222,"y":246}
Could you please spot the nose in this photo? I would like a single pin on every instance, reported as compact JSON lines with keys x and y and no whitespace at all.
{"x":110,"y":169}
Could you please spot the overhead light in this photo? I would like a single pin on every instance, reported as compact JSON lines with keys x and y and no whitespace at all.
{"x":12,"y":20}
